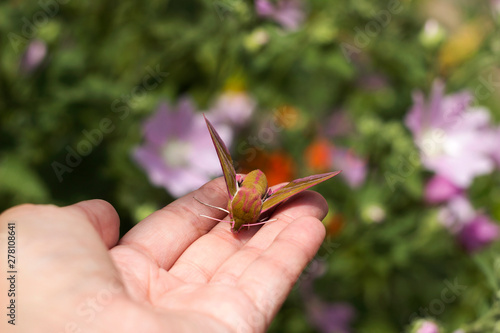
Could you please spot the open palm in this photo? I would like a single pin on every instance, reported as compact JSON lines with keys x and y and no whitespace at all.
{"x":174,"y":271}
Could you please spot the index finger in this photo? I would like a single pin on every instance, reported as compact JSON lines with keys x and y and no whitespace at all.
{"x":168,"y":232}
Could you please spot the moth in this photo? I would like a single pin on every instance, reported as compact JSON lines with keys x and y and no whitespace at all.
{"x":250,"y":199}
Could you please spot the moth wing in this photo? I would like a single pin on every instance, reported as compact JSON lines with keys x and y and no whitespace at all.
{"x":225,"y":159}
{"x":294,"y":187}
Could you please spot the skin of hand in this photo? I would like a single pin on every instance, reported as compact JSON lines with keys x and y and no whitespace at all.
{"x":173,"y":272}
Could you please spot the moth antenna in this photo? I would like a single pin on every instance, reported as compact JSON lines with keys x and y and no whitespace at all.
{"x":213,"y":218}
{"x":219,"y":208}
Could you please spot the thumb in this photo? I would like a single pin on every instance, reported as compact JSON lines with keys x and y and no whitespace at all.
{"x":102,"y":216}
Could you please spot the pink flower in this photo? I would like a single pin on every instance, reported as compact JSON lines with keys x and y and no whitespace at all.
{"x":33,"y":56}
{"x":288,"y":13}
{"x":428,"y":327}
{"x":496,"y":152}
{"x":456,"y":213}
{"x":439,"y":189}
{"x":495,"y":6}
{"x":353,"y":167}
{"x":473,"y":230}
{"x":178,"y":153}
{"x":234,"y":108}
{"x":448,"y":132}
{"x":478,"y":233}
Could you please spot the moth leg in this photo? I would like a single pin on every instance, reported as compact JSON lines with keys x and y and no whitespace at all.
{"x":257,"y":223}
{"x":239,"y":179}
{"x":268,"y":193}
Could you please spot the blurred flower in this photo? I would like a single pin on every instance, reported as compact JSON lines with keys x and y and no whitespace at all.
{"x":372,"y":82}
{"x":330,"y":317}
{"x":495,"y":6}
{"x":427,"y":327}
{"x":478,"y":233}
{"x":474,"y":230}
{"x":338,"y":124}
{"x":322,"y":156}
{"x":461,"y":46}
{"x":288,"y":13}
{"x":233,"y":107}
{"x":327,"y":317}
{"x":456,"y":213}
{"x":373,"y":213}
{"x":334,"y":223}
{"x":439,"y":189}
{"x":278,"y":166}
{"x":178,"y":153}
{"x":496,"y":152}
{"x":33,"y":56}
{"x":318,"y":156}
{"x":255,"y":40}
{"x":287,"y":116}
{"x":353,"y":167}
{"x":432,"y":34}
{"x":448,"y":131}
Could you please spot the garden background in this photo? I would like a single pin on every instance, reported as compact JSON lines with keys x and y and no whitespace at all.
{"x":104,"y":100}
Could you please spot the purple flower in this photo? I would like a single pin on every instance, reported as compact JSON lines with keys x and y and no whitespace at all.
{"x":33,"y":56}
{"x":456,"y":213}
{"x":372,"y":82}
{"x":478,"y":233}
{"x":327,"y":317}
{"x":330,"y":317}
{"x":234,"y":108}
{"x":439,"y":189}
{"x":496,"y":152}
{"x":178,"y":153}
{"x":353,"y":168}
{"x":338,"y":124}
{"x":288,"y":13}
{"x":473,"y":230}
{"x":428,"y":327}
{"x":448,"y":132}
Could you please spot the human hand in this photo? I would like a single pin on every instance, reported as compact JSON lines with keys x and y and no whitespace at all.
{"x":173,"y":272}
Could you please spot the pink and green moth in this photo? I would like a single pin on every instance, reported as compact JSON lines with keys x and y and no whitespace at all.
{"x":249,"y":196}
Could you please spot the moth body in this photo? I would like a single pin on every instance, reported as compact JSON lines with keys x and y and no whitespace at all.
{"x":246,"y":205}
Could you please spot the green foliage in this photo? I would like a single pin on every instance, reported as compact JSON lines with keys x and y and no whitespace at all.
{"x":109,"y":64}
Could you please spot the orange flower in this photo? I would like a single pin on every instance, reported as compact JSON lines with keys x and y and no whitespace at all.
{"x":278,"y":166}
{"x":334,"y":224}
{"x":287,"y":116}
{"x":318,"y":155}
